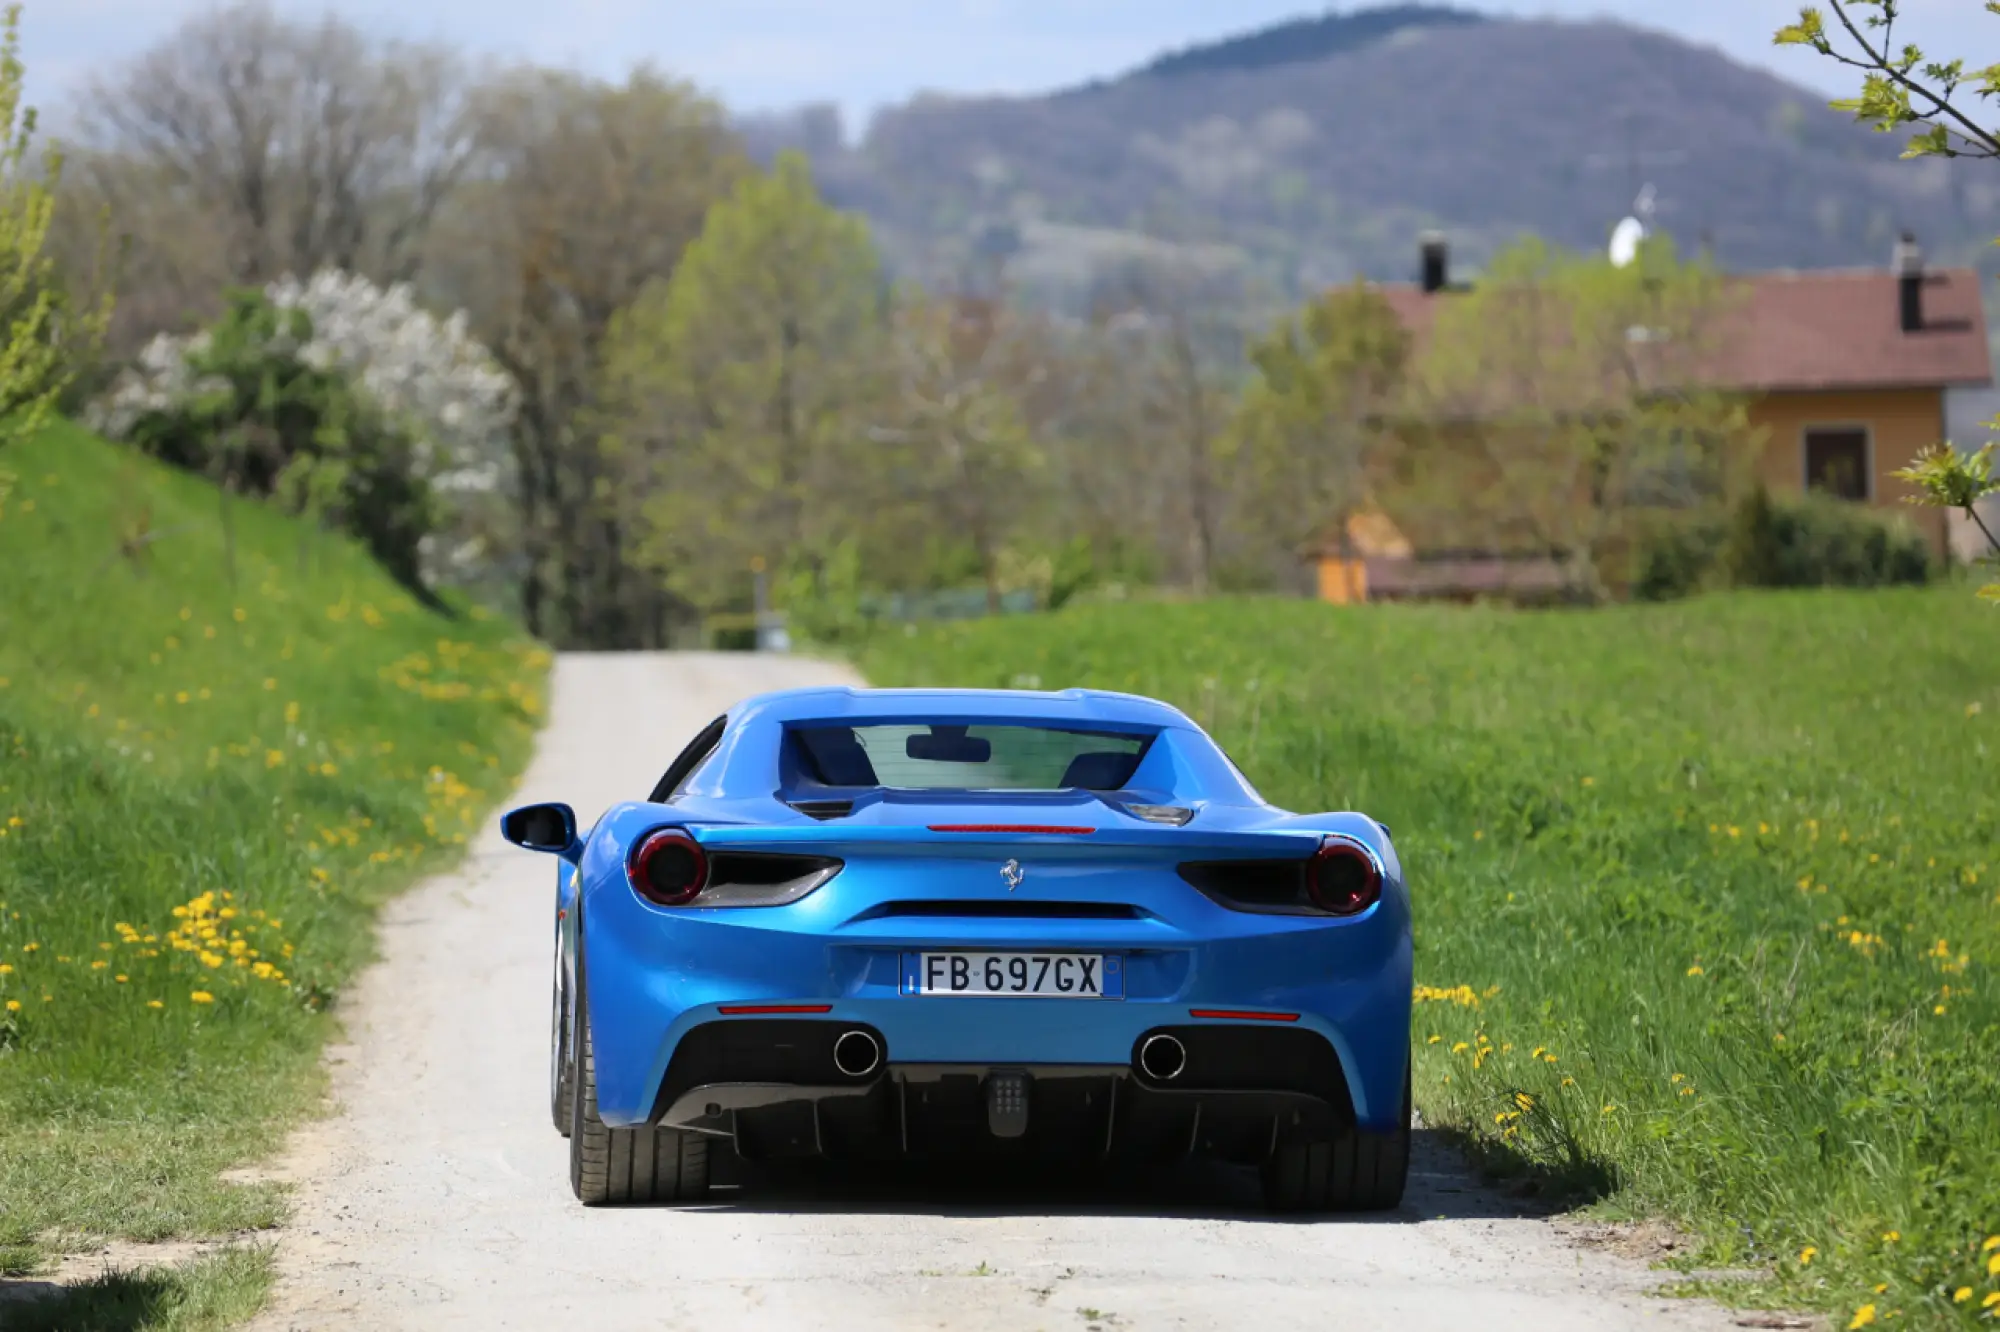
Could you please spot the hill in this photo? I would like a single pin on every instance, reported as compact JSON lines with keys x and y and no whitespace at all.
{"x":1695,"y":933}
{"x":1317,"y":150}
{"x":216,"y":763}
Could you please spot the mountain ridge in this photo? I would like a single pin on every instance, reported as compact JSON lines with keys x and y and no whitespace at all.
{"x":1292,"y":174}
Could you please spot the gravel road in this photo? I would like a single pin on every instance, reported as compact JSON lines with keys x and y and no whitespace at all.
{"x":436,"y":1196}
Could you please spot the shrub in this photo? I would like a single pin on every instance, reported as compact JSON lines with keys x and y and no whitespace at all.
{"x":1818,"y":541}
{"x":1811,"y":541}
{"x":349,"y":403}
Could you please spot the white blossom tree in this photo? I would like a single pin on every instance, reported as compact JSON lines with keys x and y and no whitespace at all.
{"x":427,"y":378}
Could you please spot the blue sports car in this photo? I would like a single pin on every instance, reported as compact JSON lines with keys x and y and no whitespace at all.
{"x":859,"y":922}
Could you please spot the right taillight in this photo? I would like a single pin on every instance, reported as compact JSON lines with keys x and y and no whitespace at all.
{"x":668,"y":868}
{"x":1343,"y":877}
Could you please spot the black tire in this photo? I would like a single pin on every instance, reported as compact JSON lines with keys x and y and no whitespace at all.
{"x":624,"y":1165}
{"x":1356,"y":1171}
{"x":562,"y":1068}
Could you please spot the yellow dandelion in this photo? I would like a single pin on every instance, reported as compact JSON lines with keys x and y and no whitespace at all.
{"x":1807,"y":1254}
{"x":1862,"y":1317}
{"x":1695,"y":970}
{"x":1961,"y":1295}
{"x":154,"y":1003}
{"x":1992,"y":1243}
{"x":13,"y":1005}
{"x":202,"y":997}
{"x":1891,"y":1236}
{"x":121,"y":978}
{"x":1433,"y":1040}
{"x":6,"y":968}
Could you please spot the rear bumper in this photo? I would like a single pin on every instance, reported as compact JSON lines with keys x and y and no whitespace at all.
{"x":774,"y":1089}
{"x":1350,"y":993}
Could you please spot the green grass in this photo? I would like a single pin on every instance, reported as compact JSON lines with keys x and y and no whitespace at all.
{"x":1707,"y":895}
{"x":206,"y":787}
{"x":220,"y":1290}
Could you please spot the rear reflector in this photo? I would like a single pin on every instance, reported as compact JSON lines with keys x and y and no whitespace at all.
{"x":744,"y":1010}
{"x":1242,"y":1015}
{"x":1055,"y":829}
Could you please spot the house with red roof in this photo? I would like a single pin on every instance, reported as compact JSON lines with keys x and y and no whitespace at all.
{"x":1843,"y":372}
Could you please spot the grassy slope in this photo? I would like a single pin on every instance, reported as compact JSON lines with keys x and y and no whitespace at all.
{"x":205,"y":789}
{"x":1719,"y":880}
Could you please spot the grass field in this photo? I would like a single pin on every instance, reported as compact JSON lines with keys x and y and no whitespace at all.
{"x":1708,"y":894}
{"x":206,"y":786}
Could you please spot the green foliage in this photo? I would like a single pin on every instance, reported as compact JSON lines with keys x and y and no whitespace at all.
{"x":822,"y":601}
{"x":1676,"y":559}
{"x":190,"y":772}
{"x":1948,"y":479}
{"x":1566,"y":409}
{"x":744,"y":380}
{"x":264,"y":422}
{"x":1819,"y":541}
{"x":1717,"y":879}
{"x":41,"y":338}
{"x":1900,"y":86}
{"x":1316,"y":419}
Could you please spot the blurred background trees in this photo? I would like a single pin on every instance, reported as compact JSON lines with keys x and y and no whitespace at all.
{"x":554,"y":342}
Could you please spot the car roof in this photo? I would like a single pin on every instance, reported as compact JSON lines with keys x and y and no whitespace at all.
{"x":846,"y":703}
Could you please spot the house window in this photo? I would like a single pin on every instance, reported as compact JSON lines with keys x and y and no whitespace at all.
{"x":1837,"y":461}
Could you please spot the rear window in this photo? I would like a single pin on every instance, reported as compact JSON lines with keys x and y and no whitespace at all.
{"x":937,"y":756}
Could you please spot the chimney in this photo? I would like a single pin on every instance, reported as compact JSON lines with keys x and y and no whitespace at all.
{"x":1436,"y":262}
{"x":1908,"y":263}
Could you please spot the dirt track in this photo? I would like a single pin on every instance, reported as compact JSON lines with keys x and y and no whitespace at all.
{"x":437,"y":1196}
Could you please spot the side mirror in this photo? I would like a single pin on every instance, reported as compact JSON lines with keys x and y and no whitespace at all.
{"x":550,"y":828}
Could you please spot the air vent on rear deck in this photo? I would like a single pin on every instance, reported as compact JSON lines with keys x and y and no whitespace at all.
{"x":824,"y":809}
{"x":1005,"y":910}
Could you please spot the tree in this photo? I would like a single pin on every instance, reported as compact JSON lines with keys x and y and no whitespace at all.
{"x":1177,"y":346}
{"x":743,"y":384}
{"x":964,"y":452}
{"x":301,"y":145}
{"x":1565,"y":399}
{"x":350,"y":403}
{"x":585,"y":193}
{"x":1319,"y":417}
{"x":37,"y":351}
{"x":1902,"y":87}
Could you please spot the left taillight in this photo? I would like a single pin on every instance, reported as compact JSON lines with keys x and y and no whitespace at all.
{"x":668,"y":868}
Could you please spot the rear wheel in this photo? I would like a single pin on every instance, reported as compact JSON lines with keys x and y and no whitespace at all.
{"x":1355,"y":1171}
{"x":624,"y":1165}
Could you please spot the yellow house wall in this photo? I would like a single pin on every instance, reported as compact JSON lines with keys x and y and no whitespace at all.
{"x":1899,"y":423}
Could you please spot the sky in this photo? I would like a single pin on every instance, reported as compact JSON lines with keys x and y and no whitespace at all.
{"x":861,"y":54}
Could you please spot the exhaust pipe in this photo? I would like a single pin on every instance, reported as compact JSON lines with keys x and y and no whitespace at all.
{"x":857,"y":1053}
{"x":1162,"y":1058}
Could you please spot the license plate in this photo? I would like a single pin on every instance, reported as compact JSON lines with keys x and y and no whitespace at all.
{"x":1015,"y":975}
